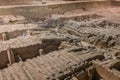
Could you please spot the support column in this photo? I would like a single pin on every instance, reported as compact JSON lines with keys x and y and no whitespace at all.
{"x":41,"y":52}
{"x":10,"y":56}
{"x":4,"y":37}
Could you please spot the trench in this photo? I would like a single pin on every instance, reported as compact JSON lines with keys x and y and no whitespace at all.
{"x":92,"y":33}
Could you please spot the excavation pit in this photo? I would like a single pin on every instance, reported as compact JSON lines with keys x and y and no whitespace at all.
{"x":59,"y":40}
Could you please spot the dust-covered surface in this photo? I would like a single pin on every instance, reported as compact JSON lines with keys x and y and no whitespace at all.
{"x":40,"y":2}
{"x":79,"y":44}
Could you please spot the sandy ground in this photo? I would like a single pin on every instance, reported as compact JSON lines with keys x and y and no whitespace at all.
{"x":27,"y":2}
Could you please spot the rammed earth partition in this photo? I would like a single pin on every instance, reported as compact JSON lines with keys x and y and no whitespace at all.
{"x":35,"y":11}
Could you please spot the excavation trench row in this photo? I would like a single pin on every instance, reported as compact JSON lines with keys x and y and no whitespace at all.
{"x":31,"y":47}
{"x":81,"y":44}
